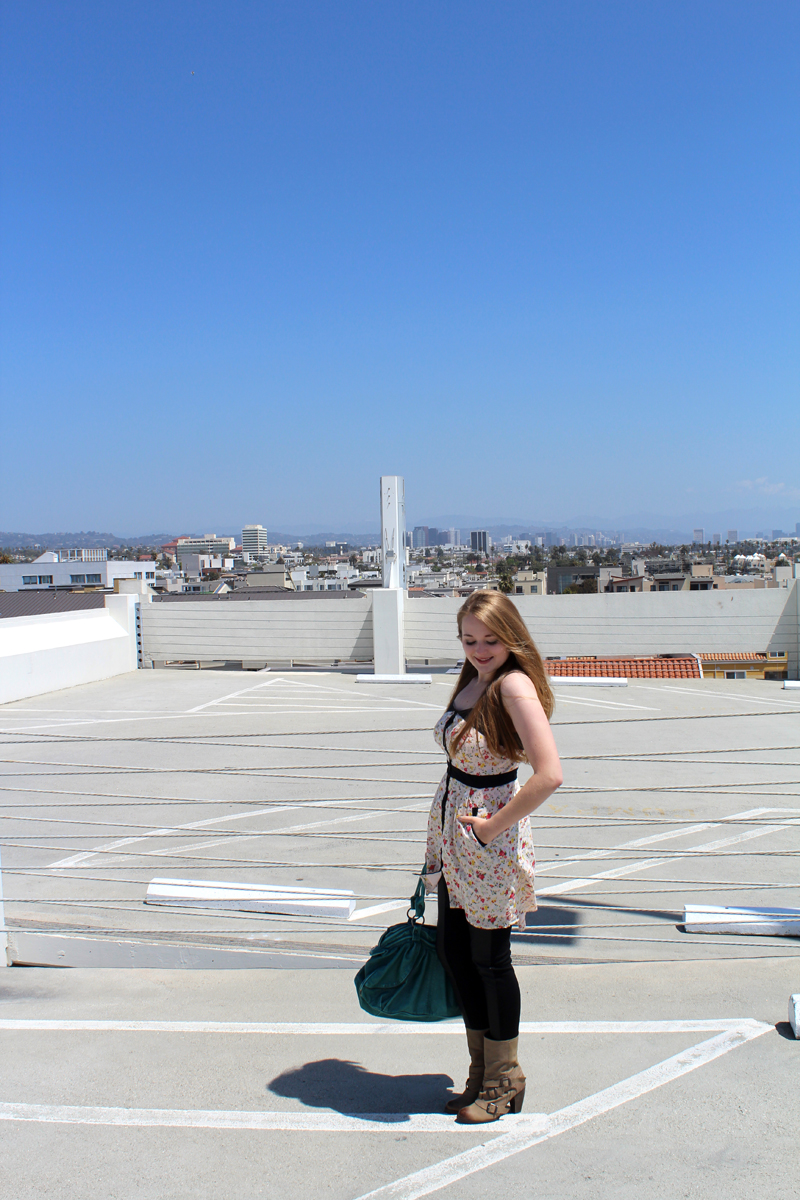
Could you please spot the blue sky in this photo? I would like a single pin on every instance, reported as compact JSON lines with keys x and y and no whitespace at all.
{"x":539,"y":258}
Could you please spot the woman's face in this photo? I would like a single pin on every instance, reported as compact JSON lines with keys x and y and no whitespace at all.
{"x":482,"y":647}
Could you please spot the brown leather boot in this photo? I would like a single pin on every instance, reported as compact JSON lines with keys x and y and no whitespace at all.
{"x":503,"y":1084}
{"x":472,"y":1088}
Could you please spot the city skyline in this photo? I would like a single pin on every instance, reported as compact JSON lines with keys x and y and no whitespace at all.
{"x":718,"y":525}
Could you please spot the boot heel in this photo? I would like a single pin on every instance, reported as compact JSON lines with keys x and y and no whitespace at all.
{"x":516,"y":1105}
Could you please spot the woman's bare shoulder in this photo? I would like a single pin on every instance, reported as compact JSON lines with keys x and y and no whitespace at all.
{"x":516,"y":685}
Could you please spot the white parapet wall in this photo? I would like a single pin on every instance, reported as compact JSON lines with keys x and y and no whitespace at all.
{"x":626,"y":623}
{"x":60,"y":650}
{"x":270,"y":631}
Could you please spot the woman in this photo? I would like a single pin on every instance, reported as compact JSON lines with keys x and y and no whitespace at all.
{"x":479,"y":838}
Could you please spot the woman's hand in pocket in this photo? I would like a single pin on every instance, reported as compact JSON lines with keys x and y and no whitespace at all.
{"x":481,"y":827}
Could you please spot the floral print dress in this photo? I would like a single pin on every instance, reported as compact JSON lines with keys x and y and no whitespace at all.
{"x":493,"y":884}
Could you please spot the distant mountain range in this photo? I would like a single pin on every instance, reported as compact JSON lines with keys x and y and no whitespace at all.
{"x":93,"y":539}
{"x":85,"y":540}
{"x":642,"y":527}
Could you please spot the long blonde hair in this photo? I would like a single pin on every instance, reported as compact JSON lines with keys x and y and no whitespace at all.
{"x":489,"y":715}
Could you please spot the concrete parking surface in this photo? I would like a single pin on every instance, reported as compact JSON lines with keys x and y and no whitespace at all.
{"x":659,"y":1063}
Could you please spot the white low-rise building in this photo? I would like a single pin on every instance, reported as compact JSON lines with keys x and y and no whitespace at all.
{"x":193,"y":565}
{"x":530,"y":583}
{"x":71,"y":569}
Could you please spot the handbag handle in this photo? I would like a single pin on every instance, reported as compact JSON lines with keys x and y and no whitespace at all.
{"x":416,"y":911}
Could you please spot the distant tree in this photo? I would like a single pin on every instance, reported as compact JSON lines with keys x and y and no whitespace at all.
{"x":585,"y":587}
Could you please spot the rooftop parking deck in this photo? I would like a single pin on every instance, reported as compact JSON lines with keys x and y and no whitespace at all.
{"x":675,"y":792}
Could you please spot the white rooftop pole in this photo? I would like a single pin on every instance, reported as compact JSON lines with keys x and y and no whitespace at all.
{"x":388,"y":601}
{"x":393,"y":531}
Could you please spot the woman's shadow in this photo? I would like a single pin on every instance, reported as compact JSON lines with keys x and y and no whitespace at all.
{"x":347,"y":1087}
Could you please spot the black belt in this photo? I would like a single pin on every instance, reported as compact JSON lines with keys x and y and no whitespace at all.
{"x":481,"y":781}
{"x":473,"y":781}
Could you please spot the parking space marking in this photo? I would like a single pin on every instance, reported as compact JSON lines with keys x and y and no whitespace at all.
{"x":632,"y":868}
{"x":230,"y":696}
{"x":613,"y":704}
{"x":170,"y":830}
{"x":189,"y":1118}
{"x":287,"y":694}
{"x":453,"y":1170}
{"x":653,"y":839}
{"x":360,"y":1028}
{"x":742,"y":698}
{"x":513,"y":1136}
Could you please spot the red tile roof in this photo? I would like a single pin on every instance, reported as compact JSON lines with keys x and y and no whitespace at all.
{"x":755,"y":656}
{"x":684,"y":667}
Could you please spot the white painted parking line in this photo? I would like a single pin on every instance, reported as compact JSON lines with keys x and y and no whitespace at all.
{"x":633,"y":868}
{"x":649,"y":841}
{"x":593,"y":703}
{"x":360,"y":1028}
{"x":282,"y":829}
{"x":514,"y":1135}
{"x":304,"y":1122}
{"x":230,"y":696}
{"x":741,"y":698}
{"x":453,"y":1170}
{"x":264,"y":706}
{"x":376,"y":909}
{"x":236,"y":711}
{"x":318,"y":687}
{"x":171,"y":830}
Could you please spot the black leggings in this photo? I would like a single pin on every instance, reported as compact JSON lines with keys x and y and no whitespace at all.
{"x":478,"y":962}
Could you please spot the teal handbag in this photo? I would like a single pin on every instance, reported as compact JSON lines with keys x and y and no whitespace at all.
{"x":403,"y":978}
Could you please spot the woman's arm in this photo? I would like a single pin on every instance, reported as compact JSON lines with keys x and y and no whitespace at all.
{"x":530,"y":721}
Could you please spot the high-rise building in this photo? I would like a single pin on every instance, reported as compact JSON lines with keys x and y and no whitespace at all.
{"x":454,"y":537}
{"x":732,"y":535}
{"x":699,"y":535}
{"x":715,"y":539}
{"x":479,"y":540}
{"x":254,"y":540}
{"x":420,"y":536}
